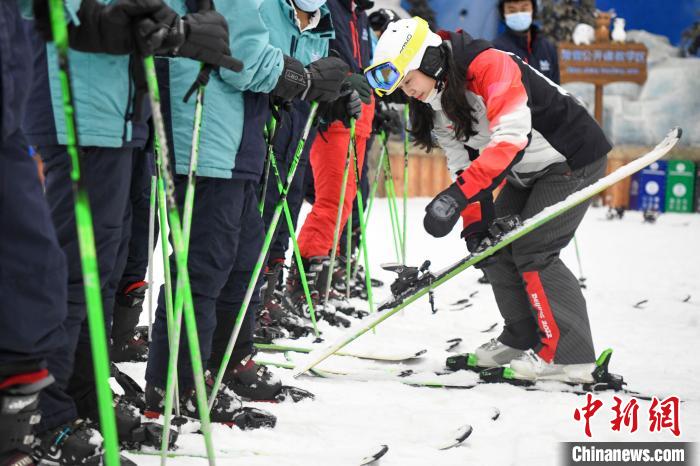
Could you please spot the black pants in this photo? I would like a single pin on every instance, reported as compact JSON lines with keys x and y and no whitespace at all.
{"x":225,"y":240}
{"x":538,"y":296}
{"x":106,"y":174}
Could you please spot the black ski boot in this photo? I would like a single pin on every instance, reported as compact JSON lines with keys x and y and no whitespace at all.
{"x":129,"y":345}
{"x":273,"y":313}
{"x":227,"y":409}
{"x":252,"y":382}
{"x":19,"y":413}
{"x":69,"y":444}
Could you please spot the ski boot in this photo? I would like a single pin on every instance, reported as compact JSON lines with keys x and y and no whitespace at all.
{"x":128,"y":345}
{"x":227,"y":409}
{"x":530,"y":366}
{"x":19,"y":413}
{"x":254,"y":382}
{"x":273,"y":313}
{"x":491,"y":354}
{"x":73,"y":443}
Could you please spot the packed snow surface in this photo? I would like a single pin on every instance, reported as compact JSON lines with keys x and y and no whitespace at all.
{"x":624,"y":262}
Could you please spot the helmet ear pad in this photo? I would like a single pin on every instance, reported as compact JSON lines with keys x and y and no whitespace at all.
{"x":434,"y":62}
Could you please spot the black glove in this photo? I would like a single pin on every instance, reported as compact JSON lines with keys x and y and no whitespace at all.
{"x":479,"y":240}
{"x":359,"y":83}
{"x":346,"y":107}
{"x":207,"y":39}
{"x":321,"y":80}
{"x":381,"y":18}
{"x":107,"y":28}
{"x":444,"y":210}
{"x":388,"y":120}
{"x":326,"y":77}
{"x":364,"y":4}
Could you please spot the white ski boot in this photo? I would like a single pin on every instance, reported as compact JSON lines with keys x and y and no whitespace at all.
{"x":530,"y":366}
{"x":494,"y":353}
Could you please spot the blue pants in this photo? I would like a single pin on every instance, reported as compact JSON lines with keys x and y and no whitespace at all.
{"x":140,"y":198}
{"x":106,"y":174}
{"x":225,"y":240}
{"x":32,"y":266}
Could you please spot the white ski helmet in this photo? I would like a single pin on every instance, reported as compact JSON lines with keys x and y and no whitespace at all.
{"x":400,"y":49}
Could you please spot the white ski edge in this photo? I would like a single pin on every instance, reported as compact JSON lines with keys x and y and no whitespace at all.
{"x":575,"y":198}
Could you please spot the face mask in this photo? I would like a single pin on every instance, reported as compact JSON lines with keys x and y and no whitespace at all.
{"x":309,"y":5}
{"x":519,"y":21}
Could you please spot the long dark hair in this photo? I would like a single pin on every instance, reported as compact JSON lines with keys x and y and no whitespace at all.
{"x":454,"y":104}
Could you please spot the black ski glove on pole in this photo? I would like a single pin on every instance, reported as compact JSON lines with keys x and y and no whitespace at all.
{"x":387,"y":119}
{"x":320,"y":81}
{"x":106,"y":28}
{"x":359,"y":83}
{"x":444,"y":211}
{"x":349,"y":105}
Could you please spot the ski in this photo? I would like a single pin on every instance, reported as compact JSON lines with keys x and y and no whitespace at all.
{"x":240,"y":453}
{"x":457,"y":438}
{"x":387,"y":356}
{"x":371,"y":459}
{"x":424,"y":282}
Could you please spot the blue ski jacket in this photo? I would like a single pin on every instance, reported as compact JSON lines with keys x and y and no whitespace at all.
{"x":306,"y":46}
{"x":536,"y":51}
{"x":236,"y":105}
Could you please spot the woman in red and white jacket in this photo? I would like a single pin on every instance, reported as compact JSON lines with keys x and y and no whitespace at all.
{"x":501,"y":122}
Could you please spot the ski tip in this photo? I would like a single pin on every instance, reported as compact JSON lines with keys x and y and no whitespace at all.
{"x":372,"y":459}
{"x":460,"y":435}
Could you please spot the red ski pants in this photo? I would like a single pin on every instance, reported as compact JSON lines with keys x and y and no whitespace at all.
{"x":328,"y":163}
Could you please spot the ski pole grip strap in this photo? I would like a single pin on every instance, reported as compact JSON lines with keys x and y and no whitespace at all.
{"x":201,"y":81}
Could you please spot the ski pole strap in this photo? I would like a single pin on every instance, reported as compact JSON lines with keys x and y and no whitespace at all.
{"x":201,"y":80}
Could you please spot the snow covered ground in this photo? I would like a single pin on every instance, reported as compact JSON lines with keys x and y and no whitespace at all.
{"x":656,"y":346}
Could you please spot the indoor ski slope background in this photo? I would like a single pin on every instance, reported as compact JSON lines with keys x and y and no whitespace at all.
{"x":624,"y":261}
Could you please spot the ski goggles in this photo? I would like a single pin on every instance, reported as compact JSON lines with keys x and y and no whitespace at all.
{"x":385,"y":76}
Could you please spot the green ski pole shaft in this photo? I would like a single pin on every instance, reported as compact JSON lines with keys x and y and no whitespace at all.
{"x":183,"y":293}
{"x":405,"y":184}
{"x":168,"y":284}
{"x":263,"y":254}
{"x":86,"y":243}
{"x":373,"y":191}
{"x":363,"y":230}
{"x":339,"y":216}
{"x":297,"y":252}
{"x":393,"y":209}
{"x":151,"y":247}
{"x":270,"y":130}
{"x":348,"y":254}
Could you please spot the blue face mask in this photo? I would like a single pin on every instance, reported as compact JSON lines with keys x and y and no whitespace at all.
{"x":309,"y":5}
{"x":519,"y":21}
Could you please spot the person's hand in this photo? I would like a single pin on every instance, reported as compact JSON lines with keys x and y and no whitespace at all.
{"x":444,"y":211}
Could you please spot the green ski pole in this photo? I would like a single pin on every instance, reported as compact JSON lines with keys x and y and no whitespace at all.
{"x":393,"y":208}
{"x":263,"y":254}
{"x":297,"y":252}
{"x":373,"y":190}
{"x":151,"y":247}
{"x":363,"y":230}
{"x":339,"y":216}
{"x":168,"y":284}
{"x":184,"y":293}
{"x":270,"y":129}
{"x":86,"y":242}
{"x":405,"y":184}
{"x":348,"y":255}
